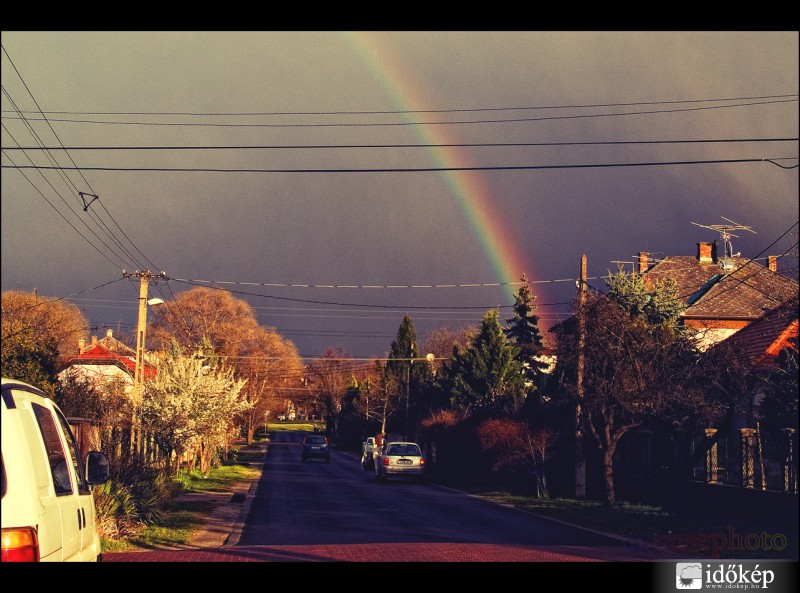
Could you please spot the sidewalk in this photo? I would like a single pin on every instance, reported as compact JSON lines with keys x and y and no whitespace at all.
{"x":224,"y":524}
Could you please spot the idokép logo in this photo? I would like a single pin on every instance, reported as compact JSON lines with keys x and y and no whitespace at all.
{"x":688,"y":575}
{"x":747,"y":575}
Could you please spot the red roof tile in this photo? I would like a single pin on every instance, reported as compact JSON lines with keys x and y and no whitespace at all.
{"x":745,"y":293}
{"x":99,"y":355}
{"x":762,"y":340}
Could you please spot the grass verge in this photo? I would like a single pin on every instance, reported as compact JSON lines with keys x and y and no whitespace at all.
{"x":182,"y":517}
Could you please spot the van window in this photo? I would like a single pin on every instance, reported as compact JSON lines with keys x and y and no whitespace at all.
{"x":77,"y":463}
{"x":59,"y":466}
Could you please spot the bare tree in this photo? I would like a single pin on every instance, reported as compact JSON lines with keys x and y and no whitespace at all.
{"x":199,"y":314}
{"x":267,"y":362}
{"x":640,"y":366}
{"x":513,"y":445}
{"x":272,"y":367}
{"x":443,"y":341}
{"x":331,"y":376}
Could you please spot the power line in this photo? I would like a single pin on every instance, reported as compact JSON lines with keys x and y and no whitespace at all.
{"x":771,"y":160}
{"x":419,"y":123}
{"x":64,"y":176}
{"x":421,"y":145}
{"x":409,"y":111}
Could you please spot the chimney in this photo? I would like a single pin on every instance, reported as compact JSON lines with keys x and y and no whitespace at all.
{"x":643,"y":261}
{"x":109,"y":333}
{"x":707,"y":252}
{"x":772,"y":263}
{"x":81,"y":346}
{"x":94,"y":341}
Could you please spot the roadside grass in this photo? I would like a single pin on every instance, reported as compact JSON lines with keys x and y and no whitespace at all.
{"x":182,"y":517}
{"x":291,"y":426}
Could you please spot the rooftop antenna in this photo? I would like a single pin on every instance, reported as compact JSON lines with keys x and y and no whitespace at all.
{"x":726,"y":262}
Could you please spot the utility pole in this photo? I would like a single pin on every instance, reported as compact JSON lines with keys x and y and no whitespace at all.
{"x":141,"y":327}
{"x":137,"y":445}
{"x":580,"y":461}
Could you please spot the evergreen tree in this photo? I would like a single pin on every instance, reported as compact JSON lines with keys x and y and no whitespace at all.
{"x":523,"y":331}
{"x":653,"y":302}
{"x":404,"y":374}
{"x":486,"y":377}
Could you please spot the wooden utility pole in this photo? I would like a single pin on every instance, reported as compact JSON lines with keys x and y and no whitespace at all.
{"x":580,"y":461}
{"x":141,"y":328}
{"x":138,"y":447}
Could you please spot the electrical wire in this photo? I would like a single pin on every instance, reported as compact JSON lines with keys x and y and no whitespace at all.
{"x":422,"y":123}
{"x":771,"y":160}
{"x":427,"y":145}
{"x":410,"y":111}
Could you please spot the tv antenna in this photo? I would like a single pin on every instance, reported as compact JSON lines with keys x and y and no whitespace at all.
{"x":726,"y":263}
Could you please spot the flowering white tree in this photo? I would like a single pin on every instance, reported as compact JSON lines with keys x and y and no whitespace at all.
{"x":191,"y":405}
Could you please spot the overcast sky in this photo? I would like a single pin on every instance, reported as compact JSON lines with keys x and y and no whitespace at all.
{"x":339,"y":180}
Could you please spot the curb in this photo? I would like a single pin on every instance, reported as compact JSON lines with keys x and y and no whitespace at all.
{"x":238,"y":526}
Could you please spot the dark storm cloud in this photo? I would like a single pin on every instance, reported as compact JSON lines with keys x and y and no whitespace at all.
{"x":388,"y":228}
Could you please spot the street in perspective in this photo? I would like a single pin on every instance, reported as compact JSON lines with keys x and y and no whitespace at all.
{"x":369,"y":297}
{"x":339,"y":512}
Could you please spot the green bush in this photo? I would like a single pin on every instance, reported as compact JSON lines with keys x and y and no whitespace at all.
{"x":116,"y":513}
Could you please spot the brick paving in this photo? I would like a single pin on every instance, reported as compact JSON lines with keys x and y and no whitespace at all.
{"x":406,"y":552}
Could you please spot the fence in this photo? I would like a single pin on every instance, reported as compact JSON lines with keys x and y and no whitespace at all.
{"x":751,"y":458}
{"x":121,"y":444}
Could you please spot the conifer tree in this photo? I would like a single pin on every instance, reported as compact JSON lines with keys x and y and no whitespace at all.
{"x":486,"y":377}
{"x":401,"y":368}
{"x":523,"y":330}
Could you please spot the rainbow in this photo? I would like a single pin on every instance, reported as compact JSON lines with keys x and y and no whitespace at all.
{"x":470,"y":192}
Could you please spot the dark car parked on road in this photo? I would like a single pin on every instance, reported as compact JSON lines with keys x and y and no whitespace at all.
{"x":315,"y":446}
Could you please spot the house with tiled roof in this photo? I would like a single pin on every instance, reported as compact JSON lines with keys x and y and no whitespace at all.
{"x":723,"y":295}
{"x":105,"y":361}
{"x":747,"y":305}
{"x":114,"y":345}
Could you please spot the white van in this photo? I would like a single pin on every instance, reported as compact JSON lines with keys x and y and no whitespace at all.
{"x":48,"y":512}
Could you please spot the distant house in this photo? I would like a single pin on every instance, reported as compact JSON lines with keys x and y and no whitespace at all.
{"x":104,"y":361}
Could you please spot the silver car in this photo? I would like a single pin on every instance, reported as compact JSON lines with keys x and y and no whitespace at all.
{"x":367,"y":454}
{"x":400,"y":459}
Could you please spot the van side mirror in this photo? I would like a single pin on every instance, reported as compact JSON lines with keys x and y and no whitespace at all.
{"x":96,"y":468}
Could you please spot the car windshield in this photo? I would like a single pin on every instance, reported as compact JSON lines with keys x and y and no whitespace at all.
{"x":315,"y":440}
{"x":404,"y":450}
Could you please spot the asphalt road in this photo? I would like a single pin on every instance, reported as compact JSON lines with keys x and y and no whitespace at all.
{"x":339,"y":503}
{"x":317,"y":511}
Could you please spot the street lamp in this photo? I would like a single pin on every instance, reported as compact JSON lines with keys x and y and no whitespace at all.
{"x":141,"y":329}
